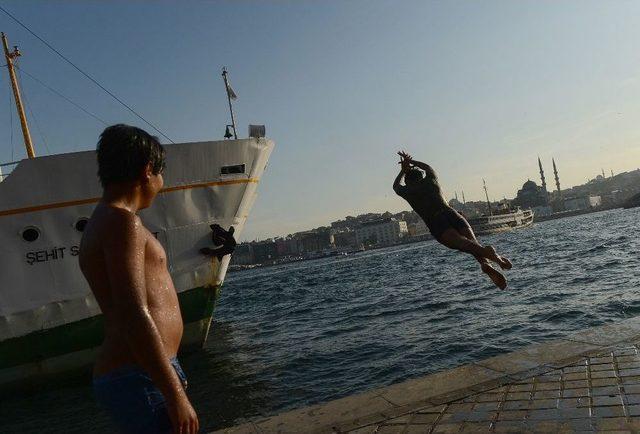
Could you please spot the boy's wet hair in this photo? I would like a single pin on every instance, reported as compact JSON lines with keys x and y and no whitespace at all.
{"x":123,"y":152}
{"x":413,"y":175}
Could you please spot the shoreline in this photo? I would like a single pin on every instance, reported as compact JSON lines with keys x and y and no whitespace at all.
{"x":413,"y":240}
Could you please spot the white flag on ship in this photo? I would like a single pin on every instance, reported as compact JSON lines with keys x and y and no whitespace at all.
{"x":230,"y":91}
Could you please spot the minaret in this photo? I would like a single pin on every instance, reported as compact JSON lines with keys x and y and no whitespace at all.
{"x":603,"y":175}
{"x":464,"y":201}
{"x":544,"y":182}
{"x":555,"y":173}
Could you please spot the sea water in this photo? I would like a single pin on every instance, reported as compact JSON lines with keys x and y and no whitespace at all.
{"x":303,"y":333}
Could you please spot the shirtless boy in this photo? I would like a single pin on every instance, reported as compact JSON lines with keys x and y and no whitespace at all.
{"x":423,"y":193}
{"x":137,"y":377}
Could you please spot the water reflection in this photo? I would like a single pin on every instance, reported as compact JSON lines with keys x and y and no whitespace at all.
{"x":225,"y":390}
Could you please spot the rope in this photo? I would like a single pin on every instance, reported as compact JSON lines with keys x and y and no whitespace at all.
{"x":60,"y":95}
{"x":35,"y":120}
{"x":85,"y":74}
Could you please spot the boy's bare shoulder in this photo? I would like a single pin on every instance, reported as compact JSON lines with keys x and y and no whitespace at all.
{"x":113,"y":224}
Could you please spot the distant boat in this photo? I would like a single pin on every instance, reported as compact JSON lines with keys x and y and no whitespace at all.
{"x":632,"y":202}
{"x":505,"y":221}
{"x":502,"y":220}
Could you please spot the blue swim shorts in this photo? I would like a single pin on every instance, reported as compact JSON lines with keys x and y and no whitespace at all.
{"x":134,"y":403}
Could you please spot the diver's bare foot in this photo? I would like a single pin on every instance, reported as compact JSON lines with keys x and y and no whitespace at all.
{"x":504,"y":263}
{"x":498,"y":279}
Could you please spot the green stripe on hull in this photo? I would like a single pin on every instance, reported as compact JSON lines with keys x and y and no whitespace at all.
{"x":195,"y":304}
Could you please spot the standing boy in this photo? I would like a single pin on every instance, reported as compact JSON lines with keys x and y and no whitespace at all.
{"x":137,"y":377}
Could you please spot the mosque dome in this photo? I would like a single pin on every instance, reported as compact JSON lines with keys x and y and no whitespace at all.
{"x":529,"y":185}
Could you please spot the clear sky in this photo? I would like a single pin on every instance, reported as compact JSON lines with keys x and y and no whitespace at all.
{"x":477,"y":89}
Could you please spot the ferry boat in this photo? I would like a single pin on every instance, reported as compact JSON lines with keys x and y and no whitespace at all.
{"x":500,"y":220}
{"x":506,"y":221}
{"x":49,"y":320}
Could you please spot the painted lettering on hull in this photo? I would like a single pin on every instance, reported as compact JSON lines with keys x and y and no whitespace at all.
{"x":52,"y":254}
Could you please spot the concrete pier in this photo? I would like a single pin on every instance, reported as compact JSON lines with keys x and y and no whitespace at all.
{"x":586,"y":382}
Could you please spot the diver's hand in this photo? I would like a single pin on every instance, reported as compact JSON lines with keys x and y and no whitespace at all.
{"x":405,"y":156}
{"x":405,"y":161}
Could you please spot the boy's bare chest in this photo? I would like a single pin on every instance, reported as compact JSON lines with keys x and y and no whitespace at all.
{"x":155,"y":255}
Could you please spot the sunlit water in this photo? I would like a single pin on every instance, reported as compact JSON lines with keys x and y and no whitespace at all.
{"x":303,"y":333}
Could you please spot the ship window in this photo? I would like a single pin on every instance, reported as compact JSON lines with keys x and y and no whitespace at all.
{"x":30,"y":234}
{"x":232,"y":170}
{"x":81,"y":223}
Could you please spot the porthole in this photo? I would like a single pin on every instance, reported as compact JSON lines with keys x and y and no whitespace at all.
{"x":30,"y":234}
{"x":81,"y":224}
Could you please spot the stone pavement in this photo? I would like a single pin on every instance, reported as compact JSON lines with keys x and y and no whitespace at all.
{"x":587,"y":382}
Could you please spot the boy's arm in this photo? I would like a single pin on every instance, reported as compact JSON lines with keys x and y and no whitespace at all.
{"x":124,"y":259}
{"x":396,"y":183}
{"x":424,"y":166}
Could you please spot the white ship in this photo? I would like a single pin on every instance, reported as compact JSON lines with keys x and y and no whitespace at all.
{"x":49,"y":320}
{"x":501,"y":220}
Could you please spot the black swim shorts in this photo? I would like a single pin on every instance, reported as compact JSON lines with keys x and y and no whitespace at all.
{"x":446,"y":219}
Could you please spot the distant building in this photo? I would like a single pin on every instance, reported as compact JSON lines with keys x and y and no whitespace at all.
{"x":289,"y":246}
{"x":243,"y":254}
{"x":417,"y":229}
{"x":345,"y":239}
{"x":531,"y":196}
{"x":381,"y":232}
{"x":581,"y":203}
{"x":542,"y":211}
{"x":316,"y":241}
{"x":348,"y":223}
{"x":264,"y":251}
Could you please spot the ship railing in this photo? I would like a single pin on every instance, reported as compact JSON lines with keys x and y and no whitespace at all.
{"x":6,"y":169}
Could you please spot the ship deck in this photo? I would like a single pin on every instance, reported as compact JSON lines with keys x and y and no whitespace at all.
{"x":586,"y":382}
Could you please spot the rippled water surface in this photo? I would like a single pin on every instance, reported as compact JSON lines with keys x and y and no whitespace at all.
{"x":303,"y":333}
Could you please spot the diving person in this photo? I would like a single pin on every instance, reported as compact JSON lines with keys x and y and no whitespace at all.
{"x":422,"y":191}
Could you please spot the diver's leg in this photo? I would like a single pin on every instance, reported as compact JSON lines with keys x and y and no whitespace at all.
{"x":496,"y":277}
{"x":467,"y":232}
{"x":464,"y":228}
{"x":454,"y":240}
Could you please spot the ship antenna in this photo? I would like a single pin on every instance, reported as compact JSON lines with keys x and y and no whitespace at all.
{"x":230,"y":95}
{"x":10,"y":56}
{"x":487,"y":196}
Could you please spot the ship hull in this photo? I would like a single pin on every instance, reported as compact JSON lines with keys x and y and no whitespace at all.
{"x":501,"y":223}
{"x":49,"y":320}
{"x":73,"y":346}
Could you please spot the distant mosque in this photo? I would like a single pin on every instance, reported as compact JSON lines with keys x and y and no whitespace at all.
{"x":537,"y":197}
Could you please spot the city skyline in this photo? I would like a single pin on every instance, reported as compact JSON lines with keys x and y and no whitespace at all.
{"x":478,"y":201}
{"x":476,"y":90}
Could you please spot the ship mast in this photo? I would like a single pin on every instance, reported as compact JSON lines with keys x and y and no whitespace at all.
{"x":230,"y":95}
{"x":487,"y":196}
{"x":9,"y":56}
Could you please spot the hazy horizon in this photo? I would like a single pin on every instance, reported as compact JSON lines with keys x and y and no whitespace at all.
{"x":478,"y":90}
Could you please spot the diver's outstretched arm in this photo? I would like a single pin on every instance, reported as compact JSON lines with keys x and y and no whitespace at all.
{"x":421,"y":165}
{"x":396,"y":183}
